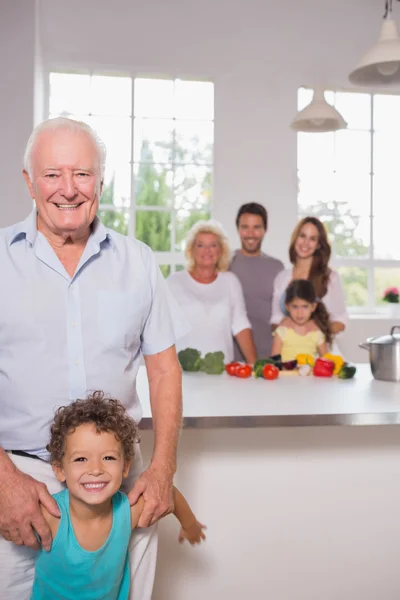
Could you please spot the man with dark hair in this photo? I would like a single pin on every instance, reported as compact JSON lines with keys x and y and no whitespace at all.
{"x":256,"y":272}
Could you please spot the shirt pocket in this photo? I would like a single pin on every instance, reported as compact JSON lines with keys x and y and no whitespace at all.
{"x":120,"y":319}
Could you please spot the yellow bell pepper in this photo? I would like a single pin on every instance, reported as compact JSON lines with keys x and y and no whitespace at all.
{"x":305,"y":359}
{"x":338,"y":360}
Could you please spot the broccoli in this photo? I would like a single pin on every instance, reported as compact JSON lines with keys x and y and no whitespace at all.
{"x":190,"y":359}
{"x":213,"y":363}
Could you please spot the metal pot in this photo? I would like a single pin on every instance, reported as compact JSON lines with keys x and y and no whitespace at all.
{"x":384,"y":355}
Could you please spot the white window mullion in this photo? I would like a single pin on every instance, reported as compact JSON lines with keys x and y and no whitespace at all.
{"x":371,"y":277}
{"x":132,"y":211}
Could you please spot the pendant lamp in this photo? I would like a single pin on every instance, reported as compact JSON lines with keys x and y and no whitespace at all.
{"x":381,"y":64}
{"x":318,"y":116}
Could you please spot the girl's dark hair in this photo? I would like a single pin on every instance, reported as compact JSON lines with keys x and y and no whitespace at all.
{"x":320,"y":271}
{"x":106,"y":414}
{"x":304,"y":290}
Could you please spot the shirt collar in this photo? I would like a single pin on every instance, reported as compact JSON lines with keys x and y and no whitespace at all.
{"x":27,"y":229}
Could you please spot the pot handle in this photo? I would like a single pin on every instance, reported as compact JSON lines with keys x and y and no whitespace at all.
{"x":364,"y":346}
{"x":393,"y":328}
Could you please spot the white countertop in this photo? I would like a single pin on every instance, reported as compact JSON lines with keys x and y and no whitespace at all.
{"x":224,"y":401}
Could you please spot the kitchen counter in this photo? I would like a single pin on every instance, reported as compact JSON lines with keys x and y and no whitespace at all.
{"x":291,"y":401}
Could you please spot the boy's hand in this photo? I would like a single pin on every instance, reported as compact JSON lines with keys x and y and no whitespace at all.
{"x":193,"y":534}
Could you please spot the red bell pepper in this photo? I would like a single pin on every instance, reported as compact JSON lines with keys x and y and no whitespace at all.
{"x":323,"y":367}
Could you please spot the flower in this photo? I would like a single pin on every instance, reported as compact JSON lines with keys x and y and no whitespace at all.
{"x":391,"y":295}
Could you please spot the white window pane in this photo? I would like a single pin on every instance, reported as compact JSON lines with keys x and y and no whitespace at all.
{"x":117,"y":219}
{"x":153,"y":140}
{"x":353,"y":151}
{"x":69,"y":94}
{"x":117,"y":185}
{"x":304,"y":97}
{"x":154,"y":98}
{"x":194,"y":142}
{"x":111,"y":96}
{"x":116,"y":134}
{"x":386,"y":216}
{"x":352,"y":233}
{"x":194,"y":100}
{"x":82,"y":117}
{"x":192,"y":187}
{"x":354,"y":190}
{"x":355,"y":284}
{"x":316,"y":192}
{"x":153,"y":184}
{"x":315,"y":153}
{"x":386,"y":152}
{"x":355,"y":108}
{"x":387,"y":113}
{"x":154,"y":229}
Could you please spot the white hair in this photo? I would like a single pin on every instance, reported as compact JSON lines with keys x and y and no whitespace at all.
{"x":216,"y":229}
{"x":71,"y":125}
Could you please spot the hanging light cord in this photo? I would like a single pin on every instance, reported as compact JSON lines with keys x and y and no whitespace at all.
{"x":388,"y":8}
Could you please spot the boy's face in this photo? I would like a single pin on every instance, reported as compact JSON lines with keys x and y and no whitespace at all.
{"x":93,"y":464}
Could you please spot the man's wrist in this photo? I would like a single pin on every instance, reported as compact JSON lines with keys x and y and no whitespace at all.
{"x":164,"y":467}
{"x":7,"y":466}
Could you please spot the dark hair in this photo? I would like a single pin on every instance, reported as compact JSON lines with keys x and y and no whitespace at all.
{"x":304,"y":290}
{"x":106,"y":414}
{"x":320,"y":271}
{"x":252,"y":208}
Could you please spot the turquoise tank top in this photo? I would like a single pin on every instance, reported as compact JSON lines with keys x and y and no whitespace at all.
{"x":68,"y":572}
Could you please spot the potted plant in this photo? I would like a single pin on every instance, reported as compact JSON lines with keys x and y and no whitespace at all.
{"x":392,"y":297}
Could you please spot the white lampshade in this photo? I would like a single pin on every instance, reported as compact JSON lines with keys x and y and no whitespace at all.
{"x":381,"y":64}
{"x":318,"y":116}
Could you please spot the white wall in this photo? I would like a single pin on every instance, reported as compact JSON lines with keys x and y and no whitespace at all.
{"x":17,"y":44}
{"x":292,"y":514}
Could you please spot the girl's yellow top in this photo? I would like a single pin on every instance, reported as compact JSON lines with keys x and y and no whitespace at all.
{"x":293,"y":343}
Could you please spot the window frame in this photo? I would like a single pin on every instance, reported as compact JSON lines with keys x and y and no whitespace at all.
{"x":369,"y":263}
{"x":172,"y":259}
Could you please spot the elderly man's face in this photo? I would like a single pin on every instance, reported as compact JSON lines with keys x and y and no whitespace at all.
{"x":65,"y":182}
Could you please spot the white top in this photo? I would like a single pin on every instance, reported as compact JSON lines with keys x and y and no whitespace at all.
{"x":216,"y":312}
{"x":334,"y":298}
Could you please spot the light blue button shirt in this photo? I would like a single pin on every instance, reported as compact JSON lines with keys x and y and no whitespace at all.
{"x":62,"y":337}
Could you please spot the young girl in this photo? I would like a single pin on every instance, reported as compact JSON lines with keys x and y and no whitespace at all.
{"x":306,"y":330}
{"x":91,"y":449}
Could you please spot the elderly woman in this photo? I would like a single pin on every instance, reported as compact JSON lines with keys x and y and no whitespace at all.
{"x":211,"y":297}
{"x":309,"y":253}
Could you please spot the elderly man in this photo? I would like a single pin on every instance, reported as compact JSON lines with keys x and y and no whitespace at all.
{"x":79,"y":306}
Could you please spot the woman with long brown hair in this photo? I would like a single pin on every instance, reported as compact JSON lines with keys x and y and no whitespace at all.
{"x":309,"y":253}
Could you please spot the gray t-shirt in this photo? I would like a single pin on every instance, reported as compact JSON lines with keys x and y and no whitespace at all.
{"x":257,"y":274}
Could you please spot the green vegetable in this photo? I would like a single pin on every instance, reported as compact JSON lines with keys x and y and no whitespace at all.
{"x":190,"y":359}
{"x":347,"y":371}
{"x":213,"y":363}
{"x":260,"y":364}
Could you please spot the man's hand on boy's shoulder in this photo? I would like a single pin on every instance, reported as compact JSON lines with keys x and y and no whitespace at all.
{"x":156,"y":489}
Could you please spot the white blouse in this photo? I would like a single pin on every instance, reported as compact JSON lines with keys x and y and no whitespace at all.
{"x":334,"y":298}
{"x":215,"y":311}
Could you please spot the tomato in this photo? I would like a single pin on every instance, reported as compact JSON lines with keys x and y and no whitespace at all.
{"x":243,"y":371}
{"x":231,"y":368}
{"x":270,"y":372}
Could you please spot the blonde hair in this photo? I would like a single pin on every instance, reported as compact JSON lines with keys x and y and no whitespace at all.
{"x":216,"y":229}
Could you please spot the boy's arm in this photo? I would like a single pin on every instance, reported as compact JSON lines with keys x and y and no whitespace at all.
{"x":52,"y":522}
{"x":192,"y":529}
{"x":136,"y":511}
